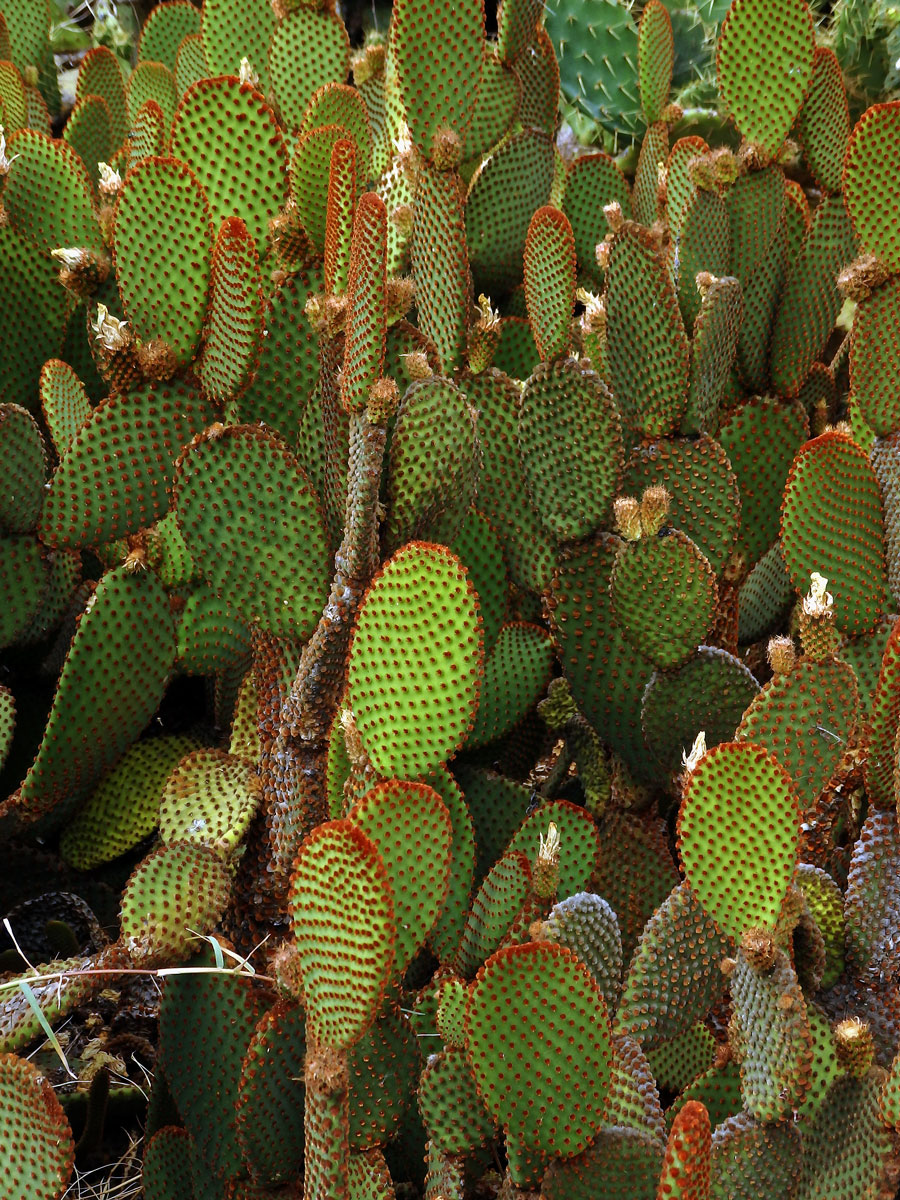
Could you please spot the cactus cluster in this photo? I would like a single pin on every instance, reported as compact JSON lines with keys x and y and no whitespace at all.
{"x":450,"y":678}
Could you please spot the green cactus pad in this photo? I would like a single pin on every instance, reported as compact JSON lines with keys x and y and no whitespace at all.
{"x":309,"y":179}
{"x":438,"y":92}
{"x":96,"y":495}
{"x":495,"y":110}
{"x":240,"y":536}
{"x":870,"y":179}
{"x":680,"y":185}
{"x":338,"y":104}
{"x":32,"y":284}
{"x":88,"y":132}
{"x":478,"y":548}
{"x":234,"y":31}
{"x":168,"y":555}
{"x":847,"y":1151}
{"x":64,"y":403}
{"x":7,"y":722}
{"x":549,"y":270}
{"x":147,"y":137}
{"x":25,"y":469}
{"x":497,"y":806}
{"x":764,"y":66}
{"x":453,"y":1113}
{"x":414,"y":686}
{"x":538,"y":74}
{"x":662,"y":996}
{"x":382,"y":1064}
{"x":656,"y":55}
{"x":166,"y":1166}
{"x":875,"y":358}
{"x":124,"y":808}
{"x":440,"y":264}
{"x":679,"y":1061}
{"x":190,"y":63}
{"x":649,"y":355}
{"x":654,"y":152}
{"x":597,"y":48}
{"x":37,"y":1144}
{"x":514,"y":1003}
{"x":515,"y":354}
{"x":367,"y":316}
{"x":164,"y":245}
{"x":206,"y":1024}
{"x":100,"y":74}
{"x":433,"y":465}
{"x":593,"y":181}
{"x":635,"y":872}
{"x":502,"y":896}
{"x":607,"y":677}
{"x":864,"y":654}
{"x":770,"y":1027}
{"x":12,"y":98}
{"x":579,"y":843}
{"x":686,"y":1166}
{"x":152,"y":81}
{"x":288,"y":367}
{"x":235,"y":323}
{"x":447,"y":932}
{"x":308,"y":50}
{"x":209,"y":799}
{"x":831,"y":522}
{"x":229,"y":137}
{"x":810,"y":302}
{"x":806,"y":719}
{"x":109,"y":689}
{"x":663,"y":595}
{"x":24,"y":579}
{"x":178,"y":891}
{"x":211,"y":634}
{"x":503,"y":195}
{"x":342,"y":914}
{"x":739,"y":809}
{"x":710,"y":692}
{"x":884,"y":718}
{"x":63,"y":577}
{"x":633,"y":1096}
{"x":48,"y":194}
{"x":750,"y":1160}
{"x":870,"y":900}
{"x":587,"y":925}
{"x":760,"y":438}
{"x":270,"y":1098}
{"x":717,"y":327}
{"x":165,"y":27}
{"x":411,"y":829}
{"x":516,"y":673}
{"x":570,"y":441}
{"x":823,"y":125}
{"x":825,"y":902}
{"x":502,"y":490}
{"x":620,"y":1164}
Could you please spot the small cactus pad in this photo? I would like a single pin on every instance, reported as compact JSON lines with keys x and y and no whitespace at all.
{"x":685,"y":1171}
{"x":440,"y":263}
{"x":308,"y":50}
{"x":764,"y":66}
{"x":750,"y":1160}
{"x":164,"y":246}
{"x":579,"y":846}
{"x":235,"y":323}
{"x":178,"y":891}
{"x":656,"y":54}
{"x":587,"y":925}
{"x":515,"y":675}
{"x":875,"y":358}
{"x":514,"y":1016}
{"x":871,"y":180}
{"x":452,"y":1111}
{"x":831,"y":522}
{"x":502,"y":896}
{"x":235,"y":31}
{"x":883,"y":722}
{"x":409,"y":825}
{"x":571,"y":446}
{"x":48,"y":194}
{"x":97,"y":494}
{"x":64,"y":403}
{"x":739,"y":809}
{"x":824,"y":122}
{"x":100,"y":74}
{"x":263,"y":547}
{"x":549,"y":271}
{"x":847,"y":1151}
{"x":164,"y":29}
{"x":593,"y":181}
{"x":271,"y":1095}
{"x":619,"y":1163}
{"x":342,"y":914}
{"x":414,"y":683}
{"x":367,"y":316}
{"x":25,"y":468}
{"x":7,"y":721}
{"x":37,"y":1147}
{"x":209,"y":799}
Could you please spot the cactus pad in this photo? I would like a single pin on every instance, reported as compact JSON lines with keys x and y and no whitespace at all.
{"x":241,"y":536}
{"x":23,"y":585}
{"x":164,"y":29}
{"x":37,"y":1144}
{"x":824,"y":122}
{"x":308,"y":50}
{"x":656,"y":54}
{"x":764,"y":66}
{"x":209,"y":799}
{"x":587,"y":925}
{"x":570,"y":441}
{"x":515,"y":674}
{"x":686,"y":1166}
{"x":875,"y":358}
{"x":831,"y":522}
{"x":549,"y":271}
{"x":414,"y":686}
{"x":620,"y":1163}
{"x":592,"y":182}
{"x":342,"y":912}
{"x":452,"y":1111}
{"x":515,"y":1003}
{"x":64,"y":403}
{"x":503,"y":895}
{"x":100,"y":74}
{"x":750,"y":1160}
{"x":739,"y":809}
{"x":22,"y":489}
{"x":271,"y":1094}
{"x":234,"y":325}
{"x":871,"y":173}
{"x":846,"y":1148}
{"x":48,"y":194}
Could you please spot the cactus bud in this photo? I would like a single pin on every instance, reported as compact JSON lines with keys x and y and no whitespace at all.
{"x":759,"y":948}
{"x":627,"y":512}
{"x":417,"y":365}
{"x":615,"y":218}
{"x":111,"y":332}
{"x":601,"y":254}
{"x":383,"y":400}
{"x":654,"y":509}
{"x":157,"y":360}
{"x":446,"y":149}
{"x":781,"y":654}
{"x":858,"y":280}
{"x":248,"y":73}
{"x":545,"y":878}
{"x":690,"y":759}
{"x":854,"y":1047}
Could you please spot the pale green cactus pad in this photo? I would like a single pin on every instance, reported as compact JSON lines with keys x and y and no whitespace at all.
{"x":37,"y":1144}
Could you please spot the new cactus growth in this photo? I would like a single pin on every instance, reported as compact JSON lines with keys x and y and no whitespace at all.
{"x":449,"y":670}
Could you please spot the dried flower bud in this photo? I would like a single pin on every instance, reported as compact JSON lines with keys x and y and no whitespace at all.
{"x":110,"y":331}
{"x":384,"y":396}
{"x":446,"y":149}
{"x":704,"y":281}
{"x":601,"y":254}
{"x":5,"y":163}
{"x":854,"y":1047}
{"x":627,"y":513}
{"x":615,"y":218}
{"x":110,"y":181}
{"x":759,"y":949}
{"x":860,"y":278}
{"x":654,"y":509}
{"x":248,"y":73}
{"x":545,"y":878}
{"x":819,"y":602}
{"x":401,"y":217}
{"x":782,"y":655}
{"x":70,"y":257}
{"x":690,"y":759}
{"x":593,"y":319}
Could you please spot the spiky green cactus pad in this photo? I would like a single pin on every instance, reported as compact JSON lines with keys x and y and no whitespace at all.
{"x":7,"y":721}
{"x":503,"y":895}
{"x":587,"y":925}
{"x":717,"y":327}
{"x":633,"y":1096}
{"x":381,"y":1064}
{"x":271,"y":1094}
{"x":620,"y":1163}
{"x":22,"y":489}
{"x":124,"y":808}
{"x":592,"y":182}
{"x":549,"y":277}
{"x":570,"y":441}
{"x":515,"y":675}
{"x":685,"y":1171}
{"x":870,"y":179}
{"x":100,"y":74}
{"x":37,"y":1144}
{"x":88,"y":131}
{"x":823,"y":125}
{"x":33,"y":280}
{"x":242,"y":536}
{"x":883,"y":721}
{"x":342,"y":914}
{"x":764,"y":66}
{"x":750,"y":1160}
{"x":234,"y":326}
{"x":847,"y":1150}
{"x":209,"y":799}
{"x":308,"y":50}
{"x":452,"y":1110}
{"x":164,"y":29}
{"x":148,"y":427}
{"x":414,"y":686}
{"x":875,"y":358}
{"x":64,"y":403}
{"x":515,"y":1003}
{"x":739,"y":804}
{"x":831,"y":522}
{"x":48,"y":194}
